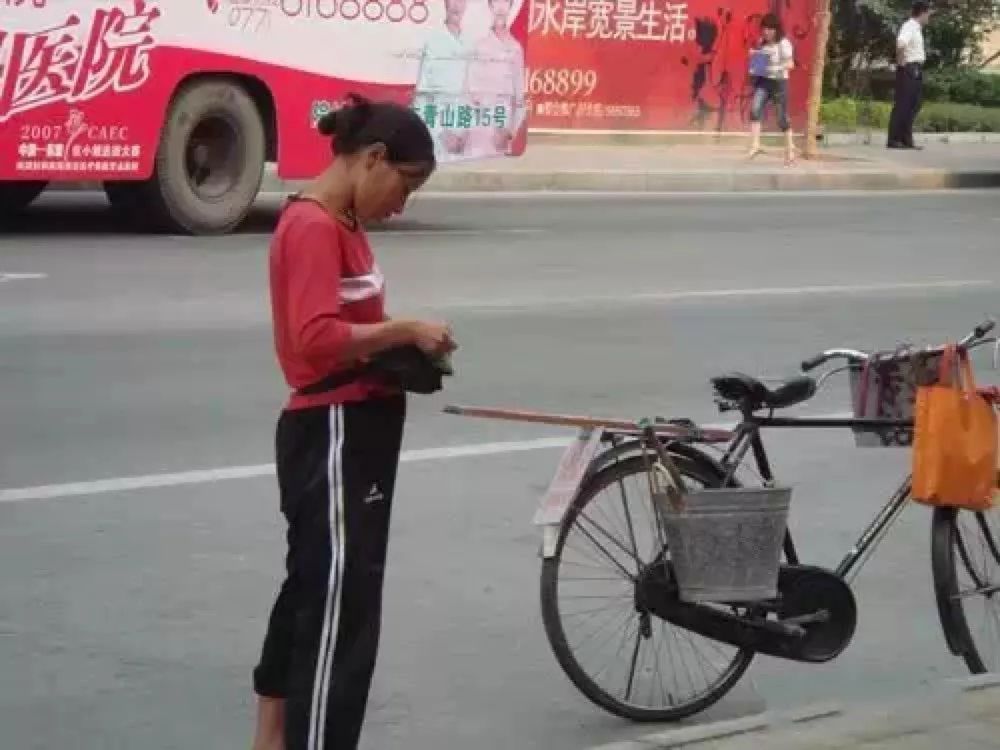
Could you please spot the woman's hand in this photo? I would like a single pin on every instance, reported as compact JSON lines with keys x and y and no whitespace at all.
{"x":433,"y":338}
{"x":365,"y":340}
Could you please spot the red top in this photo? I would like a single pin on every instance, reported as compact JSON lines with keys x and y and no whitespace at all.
{"x":323,"y":277}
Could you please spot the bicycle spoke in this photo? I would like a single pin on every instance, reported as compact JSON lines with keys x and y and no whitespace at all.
{"x":625,"y":574}
{"x":628,"y":521}
{"x":615,"y":542}
{"x":635,"y":658}
{"x":604,"y":623}
{"x":978,"y":561}
{"x":631,"y":657}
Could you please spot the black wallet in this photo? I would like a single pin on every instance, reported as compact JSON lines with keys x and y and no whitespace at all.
{"x":407,"y":367}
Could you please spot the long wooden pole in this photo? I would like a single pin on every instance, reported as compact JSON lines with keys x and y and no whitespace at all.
{"x":703,"y":434}
{"x":816,"y":78}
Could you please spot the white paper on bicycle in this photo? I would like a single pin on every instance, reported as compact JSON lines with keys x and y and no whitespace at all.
{"x":568,"y":477}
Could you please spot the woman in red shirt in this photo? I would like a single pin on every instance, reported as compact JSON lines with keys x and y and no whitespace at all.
{"x":337,"y":448}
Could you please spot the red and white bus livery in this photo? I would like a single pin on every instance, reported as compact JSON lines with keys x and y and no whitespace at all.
{"x":176,"y":106}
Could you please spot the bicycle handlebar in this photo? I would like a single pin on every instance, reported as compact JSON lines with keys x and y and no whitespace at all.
{"x":854,"y":356}
{"x":979,"y":332}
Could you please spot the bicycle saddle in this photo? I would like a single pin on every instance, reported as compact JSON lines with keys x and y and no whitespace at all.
{"x":753,"y":394}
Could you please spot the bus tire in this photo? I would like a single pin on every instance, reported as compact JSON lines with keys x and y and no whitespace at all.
{"x":210,"y":161}
{"x":15,"y":196}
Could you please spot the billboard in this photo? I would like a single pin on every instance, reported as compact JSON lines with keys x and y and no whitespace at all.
{"x":87,"y":86}
{"x":470,"y":81}
{"x":656,"y":64}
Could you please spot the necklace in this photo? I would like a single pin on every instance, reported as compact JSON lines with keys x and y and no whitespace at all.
{"x":349,"y":217}
{"x":346,"y":216}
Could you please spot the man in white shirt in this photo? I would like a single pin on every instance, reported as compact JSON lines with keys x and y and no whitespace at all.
{"x":910,"y":58}
{"x":441,"y":79}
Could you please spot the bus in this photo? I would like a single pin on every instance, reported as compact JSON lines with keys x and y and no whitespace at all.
{"x":177,"y":107}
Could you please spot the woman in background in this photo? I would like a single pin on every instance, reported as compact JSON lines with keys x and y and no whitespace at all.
{"x":771,"y":59}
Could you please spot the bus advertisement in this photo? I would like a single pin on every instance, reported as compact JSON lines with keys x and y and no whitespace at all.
{"x":177,"y":106}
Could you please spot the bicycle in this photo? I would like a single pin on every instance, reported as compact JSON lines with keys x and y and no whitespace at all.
{"x":813,"y":618}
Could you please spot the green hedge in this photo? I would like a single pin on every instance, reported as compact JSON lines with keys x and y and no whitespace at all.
{"x":848,"y":115}
{"x":945,"y":117}
{"x":959,"y":85}
{"x":962,"y":87}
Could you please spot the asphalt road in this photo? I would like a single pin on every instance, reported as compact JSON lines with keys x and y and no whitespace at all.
{"x":130,"y":618}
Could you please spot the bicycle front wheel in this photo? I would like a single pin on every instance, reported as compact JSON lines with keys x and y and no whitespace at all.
{"x":652,"y":670}
{"x":965,"y":554}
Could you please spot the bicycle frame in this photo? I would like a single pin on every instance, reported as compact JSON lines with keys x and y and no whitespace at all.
{"x":748,"y":438}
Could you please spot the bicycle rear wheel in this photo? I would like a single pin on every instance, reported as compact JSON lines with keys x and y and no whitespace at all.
{"x":965,"y":555}
{"x":603,"y":544}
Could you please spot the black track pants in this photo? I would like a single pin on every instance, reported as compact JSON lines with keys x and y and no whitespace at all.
{"x":906,"y":104}
{"x":336,"y":473}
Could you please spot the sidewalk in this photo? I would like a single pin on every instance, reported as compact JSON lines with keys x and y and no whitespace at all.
{"x":721,"y":167}
{"x":959,"y":715}
{"x":633,"y":163}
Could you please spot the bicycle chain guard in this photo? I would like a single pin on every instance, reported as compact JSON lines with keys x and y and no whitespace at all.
{"x":816,"y":614}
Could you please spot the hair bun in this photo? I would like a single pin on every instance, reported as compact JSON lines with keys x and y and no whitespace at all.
{"x":327,"y":124}
{"x":360,"y":122}
{"x":347,"y":120}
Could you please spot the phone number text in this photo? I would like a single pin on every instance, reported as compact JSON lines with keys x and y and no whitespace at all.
{"x":561,"y":81}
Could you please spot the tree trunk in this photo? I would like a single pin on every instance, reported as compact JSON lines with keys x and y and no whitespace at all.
{"x":816,"y":77}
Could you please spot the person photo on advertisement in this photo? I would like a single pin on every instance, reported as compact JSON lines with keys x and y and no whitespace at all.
{"x":495,"y":83}
{"x":441,"y":77}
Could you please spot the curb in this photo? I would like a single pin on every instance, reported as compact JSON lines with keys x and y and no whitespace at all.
{"x":707,"y":182}
{"x":487,"y":181}
{"x":953,"y":701}
{"x":860,"y":137}
{"x":723,"y":730}
{"x":879,"y":137}
{"x":551,"y":137}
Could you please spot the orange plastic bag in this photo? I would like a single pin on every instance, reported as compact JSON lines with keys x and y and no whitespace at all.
{"x":992,"y":394}
{"x":955,"y":439}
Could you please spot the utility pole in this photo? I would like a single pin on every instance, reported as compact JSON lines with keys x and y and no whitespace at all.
{"x":816,"y":77}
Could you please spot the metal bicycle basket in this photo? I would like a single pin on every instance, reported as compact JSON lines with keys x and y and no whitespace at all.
{"x":724,"y":544}
{"x":886,"y":388}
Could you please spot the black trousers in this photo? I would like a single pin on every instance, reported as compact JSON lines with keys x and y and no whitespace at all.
{"x":336,"y":475}
{"x":906,"y":104}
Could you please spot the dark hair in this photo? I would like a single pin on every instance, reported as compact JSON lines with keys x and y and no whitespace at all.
{"x":362,"y":122}
{"x":919,"y":8}
{"x":771,"y":21}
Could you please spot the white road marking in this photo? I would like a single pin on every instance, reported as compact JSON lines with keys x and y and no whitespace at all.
{"x":202,"y":476}
{"x":696,"y":294}
{"x":205,"y":476}
{"x":21,"y":276}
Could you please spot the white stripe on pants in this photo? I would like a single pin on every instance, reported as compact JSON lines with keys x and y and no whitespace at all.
{"x":331,"y":616}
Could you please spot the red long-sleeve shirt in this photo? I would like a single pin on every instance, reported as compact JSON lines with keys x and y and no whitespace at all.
{"x":323,"y":277}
